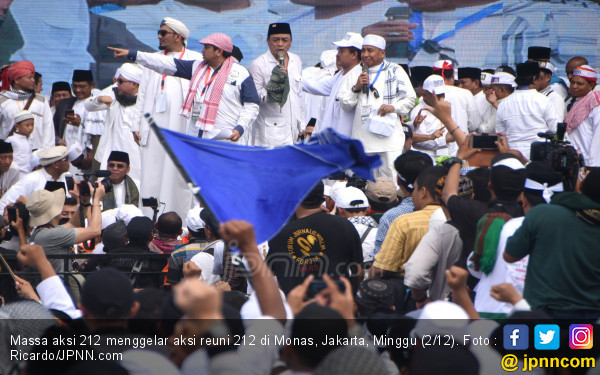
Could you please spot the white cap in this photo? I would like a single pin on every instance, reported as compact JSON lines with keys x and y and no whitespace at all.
{"x":375,"y":41}
{"x":328,"y":60}
{"x":503,"y":78}
{"x":435,"y":84}
{"x":350,"y":40}
{"x":193,"y":220}
{"x":486,"y":78}
{"x":351,"y":197}
{"x":50,"y":155}
{"x":441,"y":318}
{"x":127,"y":212}
{"x":178,"y":27}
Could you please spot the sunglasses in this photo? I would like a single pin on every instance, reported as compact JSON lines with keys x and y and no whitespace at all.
{"x":122,"y":81}
{"x":164,"y":33}
{"x":117,"y":165}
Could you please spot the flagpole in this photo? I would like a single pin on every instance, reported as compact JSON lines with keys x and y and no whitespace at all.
{"x":169,"y":151}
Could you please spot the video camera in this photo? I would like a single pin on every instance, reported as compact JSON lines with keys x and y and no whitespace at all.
{"x":84,"y":189}
{"x":559,"y":153}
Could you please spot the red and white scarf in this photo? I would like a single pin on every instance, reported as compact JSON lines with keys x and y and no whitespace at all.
{"x":581,"y":110}
{"x":208,"y":112}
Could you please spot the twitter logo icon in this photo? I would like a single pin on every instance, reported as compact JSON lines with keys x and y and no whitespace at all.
{"x":547,"y":337}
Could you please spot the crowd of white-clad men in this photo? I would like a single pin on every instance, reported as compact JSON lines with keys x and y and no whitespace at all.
{"x":445,"y":231}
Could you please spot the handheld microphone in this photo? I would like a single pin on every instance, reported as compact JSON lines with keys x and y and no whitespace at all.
{"x":365,"y":69}
{"x":281,"y":56}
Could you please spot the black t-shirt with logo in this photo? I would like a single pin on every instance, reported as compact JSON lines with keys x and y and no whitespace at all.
{"x":314,"y":245}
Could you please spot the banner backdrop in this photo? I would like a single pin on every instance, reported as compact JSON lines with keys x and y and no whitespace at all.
{"x":59,"y":36}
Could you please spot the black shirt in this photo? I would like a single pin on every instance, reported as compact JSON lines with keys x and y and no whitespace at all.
{"x":313,"y":245}
{"x":466,"y":212}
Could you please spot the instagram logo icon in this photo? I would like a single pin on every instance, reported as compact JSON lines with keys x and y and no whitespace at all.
{"x":581,"y":336}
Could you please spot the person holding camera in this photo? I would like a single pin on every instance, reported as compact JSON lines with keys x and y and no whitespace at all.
{"x":45,"y":210}
{"x":55,"y":165}
{"x":122,"y":189}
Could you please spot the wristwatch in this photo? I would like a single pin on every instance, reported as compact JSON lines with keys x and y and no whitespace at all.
{"x":453,"y":160}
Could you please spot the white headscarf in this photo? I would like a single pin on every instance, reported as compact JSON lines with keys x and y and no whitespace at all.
{"x":178,"y":27}
{"x":131,"y":72}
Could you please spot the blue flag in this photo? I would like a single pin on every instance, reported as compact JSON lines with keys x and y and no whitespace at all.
{"x":263,"y":185}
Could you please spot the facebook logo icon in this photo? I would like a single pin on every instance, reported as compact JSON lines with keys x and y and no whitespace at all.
{"x":516,"y":337}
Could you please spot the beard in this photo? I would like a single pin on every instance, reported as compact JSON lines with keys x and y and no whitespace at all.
{"x":162,"y":48}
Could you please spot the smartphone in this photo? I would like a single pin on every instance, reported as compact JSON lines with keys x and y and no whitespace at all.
{"x":316,"y":286}
{"x":484,"y":141}
{"x":12,"y":213}
{"x":70,"y":183}
{"x":150,"y":202}
{"x":84,"y":189}
{"x":70,"y":112}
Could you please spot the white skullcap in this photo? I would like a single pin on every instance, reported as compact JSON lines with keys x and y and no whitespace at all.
{"x":586,"y":72}
{"x":435,"y":84}
{"x":178,"y":27}
{"x":440,"y":318}
{"x":108,"y":217}
{"x":547,"y":65}
{"x":131,"y":72}
{"x":375,"y":41}
{"x":193,"y":220}
{"x":50,"y":155}
{"x":127,"y":212}
{"x":75,"y":151}
{"x":503,"y":78}
{"x":22,"y":116}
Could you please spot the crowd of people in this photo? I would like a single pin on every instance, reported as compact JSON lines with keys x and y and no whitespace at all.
{"x":448,"y":228}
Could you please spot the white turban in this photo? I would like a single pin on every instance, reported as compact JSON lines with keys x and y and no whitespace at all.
{"x":131,"y":72}
{"x":178,"y":27}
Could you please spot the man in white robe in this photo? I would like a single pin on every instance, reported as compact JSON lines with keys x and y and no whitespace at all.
{"x":162,"y":96}
{"x":348,"y":58}
{"x":119,"y":128}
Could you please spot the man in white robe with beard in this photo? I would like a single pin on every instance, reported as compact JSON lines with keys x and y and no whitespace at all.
{"x":162,"y":96}
{"x":119,"y":128}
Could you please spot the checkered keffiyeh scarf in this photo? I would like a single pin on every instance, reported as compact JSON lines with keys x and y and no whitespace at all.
{"x":581,"y":110}
{"x":393,"y":88}
{"x":208,"y":113}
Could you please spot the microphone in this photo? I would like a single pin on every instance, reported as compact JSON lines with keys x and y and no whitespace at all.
{"x":281,"y":56}
{"x":365,"y":69}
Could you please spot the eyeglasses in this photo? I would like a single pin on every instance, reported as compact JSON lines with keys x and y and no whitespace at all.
{"x":117,"y":165}
{"x":164,"y":33}
{"x":122,"y":81}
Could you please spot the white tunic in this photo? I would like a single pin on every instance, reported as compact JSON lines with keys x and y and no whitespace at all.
{"x":22,"y":149}
{"x":34,"y":181}
{"x":314,"y":104}
{"x":333,"y":116}
{"x":8,"y":179}
{"x":522,"y":115}
{"x":558,"y":102}
{"x":77,"y":134}
{"x":43,"y":126}
{"x":403,"y":103}
{"x":118,"y":136}
{"x":170,"y":187}
{"x":277,"y":126}
{"x":430,"y":125}
{"x":487,"y":113}
{"x":586,"y":138}
{"x":464,"y":112}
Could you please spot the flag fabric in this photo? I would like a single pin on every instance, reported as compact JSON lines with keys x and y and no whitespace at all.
{"x":263,"y":185}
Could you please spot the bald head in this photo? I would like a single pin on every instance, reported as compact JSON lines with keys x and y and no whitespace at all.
{"x":169,"y":225}
{"x":574,"y":63}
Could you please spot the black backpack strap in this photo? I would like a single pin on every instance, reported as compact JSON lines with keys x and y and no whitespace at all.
{"x":365,"y":234}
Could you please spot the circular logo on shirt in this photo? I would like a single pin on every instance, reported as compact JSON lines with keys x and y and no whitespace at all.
{"x":306,"y":246}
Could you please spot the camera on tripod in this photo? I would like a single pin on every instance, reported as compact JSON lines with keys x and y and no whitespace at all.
{"x":559,"y":153}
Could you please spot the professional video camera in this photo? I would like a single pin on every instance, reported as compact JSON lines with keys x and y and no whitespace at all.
{"x":84,"y":189}
{"x":559,"y":154}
